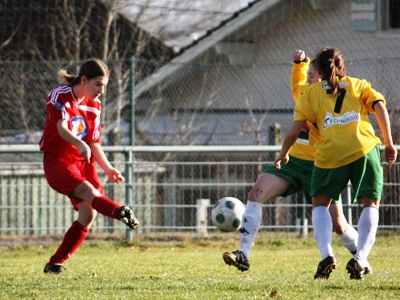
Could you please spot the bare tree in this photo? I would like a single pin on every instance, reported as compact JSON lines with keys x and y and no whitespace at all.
{"x":74,"y":32}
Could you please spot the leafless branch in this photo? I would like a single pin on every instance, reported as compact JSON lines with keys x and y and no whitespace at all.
{"x":6,"y":42}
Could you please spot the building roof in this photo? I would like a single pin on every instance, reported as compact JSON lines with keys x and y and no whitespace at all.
{"x":181,"y":23}
{"x":212,"y":37}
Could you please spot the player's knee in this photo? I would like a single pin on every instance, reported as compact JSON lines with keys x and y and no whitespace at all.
{"x":86,"y":191}
{"x":369,"y":202}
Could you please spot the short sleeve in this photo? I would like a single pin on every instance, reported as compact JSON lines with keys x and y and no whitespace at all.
{"x":303,"y":110}
{"x":369,"y":96}
{"x":56,"y":106}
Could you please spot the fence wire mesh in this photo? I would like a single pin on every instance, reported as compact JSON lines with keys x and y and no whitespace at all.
{"x":222,"y":115}
{"x":236,"y":92}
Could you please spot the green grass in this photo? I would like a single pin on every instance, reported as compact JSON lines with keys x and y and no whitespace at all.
{"x":280,"y":269}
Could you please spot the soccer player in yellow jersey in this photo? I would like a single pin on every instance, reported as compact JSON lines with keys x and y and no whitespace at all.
{"x":292,"y":178}
{"x":348,"y":150}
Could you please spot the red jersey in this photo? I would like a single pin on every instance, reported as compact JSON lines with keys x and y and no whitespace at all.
{"x":83,"y":120}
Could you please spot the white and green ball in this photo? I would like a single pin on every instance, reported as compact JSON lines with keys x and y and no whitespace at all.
{"x":227,"y":214}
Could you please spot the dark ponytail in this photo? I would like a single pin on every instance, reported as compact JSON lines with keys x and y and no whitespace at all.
{"x":330,"y":63}
{"x":92,"y":68}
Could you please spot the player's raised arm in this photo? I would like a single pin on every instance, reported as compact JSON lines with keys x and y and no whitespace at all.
{"x":298,"y":76}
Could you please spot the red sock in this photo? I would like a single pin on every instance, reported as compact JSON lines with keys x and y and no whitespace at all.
{"x":73,"y":238}
{"x":107,"y":207}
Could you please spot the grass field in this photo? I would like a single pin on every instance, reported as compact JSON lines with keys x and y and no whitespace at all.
{"x":280,"y":269}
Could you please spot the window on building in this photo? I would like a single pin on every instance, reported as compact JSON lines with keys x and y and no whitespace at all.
{"x":364,"y":14}
{"x":375,"y":14}
{"x":394,"y":14}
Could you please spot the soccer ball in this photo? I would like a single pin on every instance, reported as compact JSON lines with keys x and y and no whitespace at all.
{"x":227,"y":214}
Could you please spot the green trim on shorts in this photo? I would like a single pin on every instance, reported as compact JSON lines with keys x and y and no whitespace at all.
{"x":298,"y":173}
{"x":365,"y":175}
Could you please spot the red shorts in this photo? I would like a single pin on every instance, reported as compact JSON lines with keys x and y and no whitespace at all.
{"x":65,"y":175}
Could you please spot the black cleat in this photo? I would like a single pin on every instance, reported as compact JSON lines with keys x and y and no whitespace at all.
{"x":355,"y":269}
{"x":325,"y":268}
{"x":368,"y":270}
{"x":54,"y":269}
{"x":238,"y":259}
{"x":128,"y":217}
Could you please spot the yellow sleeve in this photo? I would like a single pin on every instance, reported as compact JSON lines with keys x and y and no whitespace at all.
{"x":303,"y":110}
{"x":369,"y":96}
{"x":298,"y":78}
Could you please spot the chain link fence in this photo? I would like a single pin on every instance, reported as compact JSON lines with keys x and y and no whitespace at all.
{"x":167,"y":185}
{"x":241,"y":96}
{"x":232,"y":105}
{"x":227,"y":87}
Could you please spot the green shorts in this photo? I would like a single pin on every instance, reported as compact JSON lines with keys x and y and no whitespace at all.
{"x":298,"y":172}
{"x":365,"y":175}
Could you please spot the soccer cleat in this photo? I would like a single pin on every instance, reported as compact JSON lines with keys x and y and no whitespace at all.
{"x":238,"y":259}
{"x":325,"y":268}
{"x":128,"y":217}
{"x":355,"y":269}
{"x":54,"y":269}
{"x":368,"y":270}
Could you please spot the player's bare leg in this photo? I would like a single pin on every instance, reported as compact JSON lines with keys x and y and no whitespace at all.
{"x":267,"y":187}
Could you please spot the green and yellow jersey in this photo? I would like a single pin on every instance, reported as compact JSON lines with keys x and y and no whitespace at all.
{"x":344,"y":127}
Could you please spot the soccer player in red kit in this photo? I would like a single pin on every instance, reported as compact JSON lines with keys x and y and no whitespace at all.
{"x":71,"y":146}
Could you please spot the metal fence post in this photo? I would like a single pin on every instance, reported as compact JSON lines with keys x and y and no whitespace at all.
{"x":349,"y":202}
{"x":132,"y":99}
{"x":130,"y":156}
{"x":129,"y":191}
{"x":302,"y":222}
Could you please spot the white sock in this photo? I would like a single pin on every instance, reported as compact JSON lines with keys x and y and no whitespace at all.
{"x":367,"y":226}
{"x":350,"y":239}
{"x":322,"y":225}
{"x":251,"y":223}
